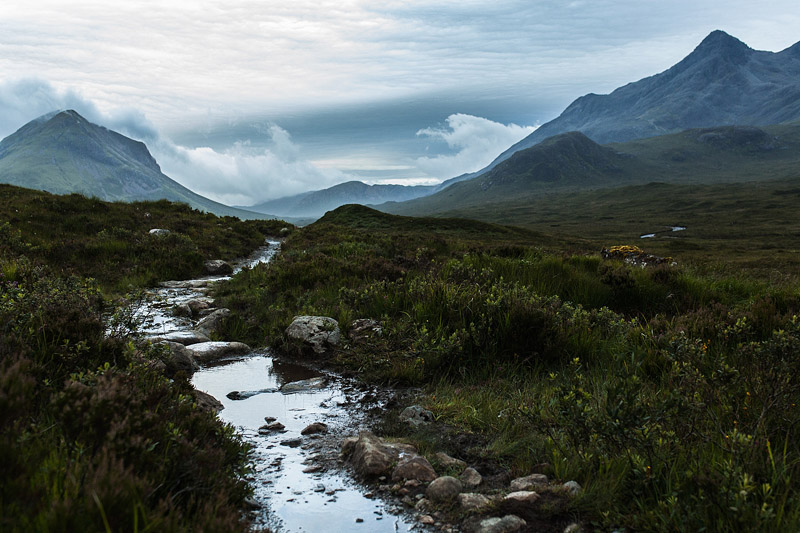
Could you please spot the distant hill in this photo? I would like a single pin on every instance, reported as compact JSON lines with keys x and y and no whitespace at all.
{"x":64,"y":153}
{"x":315,"y":203}
{"x":573,"y":162}
{"x":722,"y":82}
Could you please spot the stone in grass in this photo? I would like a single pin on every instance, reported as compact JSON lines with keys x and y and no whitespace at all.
{"x":443,"y":489}
{"x":507,"y":524}
{"x":416,"y":416}
{"x":572,"y":487}
{"x":469,"y":501}
{"x":471,"y":477}
{"x":528,"y":482}
{"x":523,"y":497}
{"x":449,"y":462}
{"x":312,"y":336}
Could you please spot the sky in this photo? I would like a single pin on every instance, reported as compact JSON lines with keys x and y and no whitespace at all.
{"x":245,"y":101}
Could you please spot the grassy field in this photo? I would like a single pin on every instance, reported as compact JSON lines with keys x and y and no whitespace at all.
{"x":668,"y":392}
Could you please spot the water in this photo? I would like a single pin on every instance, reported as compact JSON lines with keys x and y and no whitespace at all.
{"x":298,"y":480}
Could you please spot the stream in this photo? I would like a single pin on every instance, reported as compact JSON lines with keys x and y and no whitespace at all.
{"x":299,"y":481}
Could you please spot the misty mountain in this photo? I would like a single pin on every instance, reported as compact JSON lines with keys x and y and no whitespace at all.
{"x":722,"y":82}
{"x":573,"y":162}
{"x":64,"y":153}
{"x":316,"y":203}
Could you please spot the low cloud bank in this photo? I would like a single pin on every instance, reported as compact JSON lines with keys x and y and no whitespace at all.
{"x":477,"y":141}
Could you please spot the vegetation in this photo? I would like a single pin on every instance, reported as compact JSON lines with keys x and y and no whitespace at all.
{"x":94,"y":436}
{"x":110,"y":242}
{"x":669,"y":392}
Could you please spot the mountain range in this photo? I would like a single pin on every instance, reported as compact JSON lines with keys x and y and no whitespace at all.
{"x":722,"y":82}
{"x":64,"y":153}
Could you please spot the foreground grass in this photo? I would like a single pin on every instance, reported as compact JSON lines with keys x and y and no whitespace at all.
{"x":97,"y":434}
{"x":669,"y":393}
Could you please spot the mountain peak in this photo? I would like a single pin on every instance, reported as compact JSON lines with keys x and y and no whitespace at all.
{"x":720,"y":42}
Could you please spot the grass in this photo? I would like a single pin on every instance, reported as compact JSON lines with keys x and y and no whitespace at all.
{"x":94,"y":436}
{"x":110,"y":242}
{"x":667,"y":391}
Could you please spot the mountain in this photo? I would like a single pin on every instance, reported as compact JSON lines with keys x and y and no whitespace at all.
{"x":315,"y":203}
{"x":722,"y":82}
{"x":573,"y":162}
{"x":64,"y":153}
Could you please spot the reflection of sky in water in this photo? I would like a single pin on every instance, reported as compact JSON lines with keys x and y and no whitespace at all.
{"x":296,"y":501}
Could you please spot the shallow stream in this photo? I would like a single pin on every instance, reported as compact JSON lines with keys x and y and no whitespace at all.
{"x":299,"y":482}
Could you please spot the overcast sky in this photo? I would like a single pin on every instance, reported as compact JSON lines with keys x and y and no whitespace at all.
{"x":244,"y":100}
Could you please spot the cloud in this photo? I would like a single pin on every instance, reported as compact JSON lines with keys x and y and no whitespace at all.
{"x":477,"y":141}
{"x":241,"y":174}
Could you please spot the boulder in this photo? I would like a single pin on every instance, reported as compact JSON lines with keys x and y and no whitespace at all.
{"x":416,"y":416}
{"x":413,"y":467}
{"x":213,"y":322}
{"x":471,"y":477}
{"x":443,"y":489}
{"x":198,"y":305}
{"x":206,"y":402}
{"x":304,"y":385}
{"x":312,"y":336}
{"x":316,"y":427}
{"x":528,"y":482}
{"x":182,"y":337}
{"x":371,"y":456}
{"x":218,"y":267}
{"x":449,"y":462}
{"x":507,"y":524}
{"x":159,"y":232}
{"x":522,"y":497}
{"x":469,"y":501}
{"x":206,"y":352}
{"x":178,"y":359}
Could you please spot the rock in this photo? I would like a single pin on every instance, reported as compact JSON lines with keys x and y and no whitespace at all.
{"x":304,"y":385}
{"x":413,"y":467}
{"x":364,"y":329}
{"x":528,"y":482}
{"x":348,"y":445}
{"x":426,"y":519}
{"x":182,"y":337}
{"x":198,"y":305}
{"x":292,"y":443}
{"x":471,"y":477}
{"x":312,"y":336}
{"x":449,"y":462}
{"x":213,"y":322}
{"x":181,"y":310}
{"x":206,"y":352}
{"x":316,"y":427}
{"x":218,"y":267}
{"x":313,"y":469}
{"x":443,"y":489}
{"x":206,"y":402}
{"x":525,"y":497}
{"x":572,"y":487}
{"x":159,"y":232}
{"x":469,"y":501}
{"x":416,"y":416}
{"x":573,"y":528}
{"x":373,"y":457}
{"x":274,"y":426}
{"x":178,"y":359}
{"x":507,"y":524}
